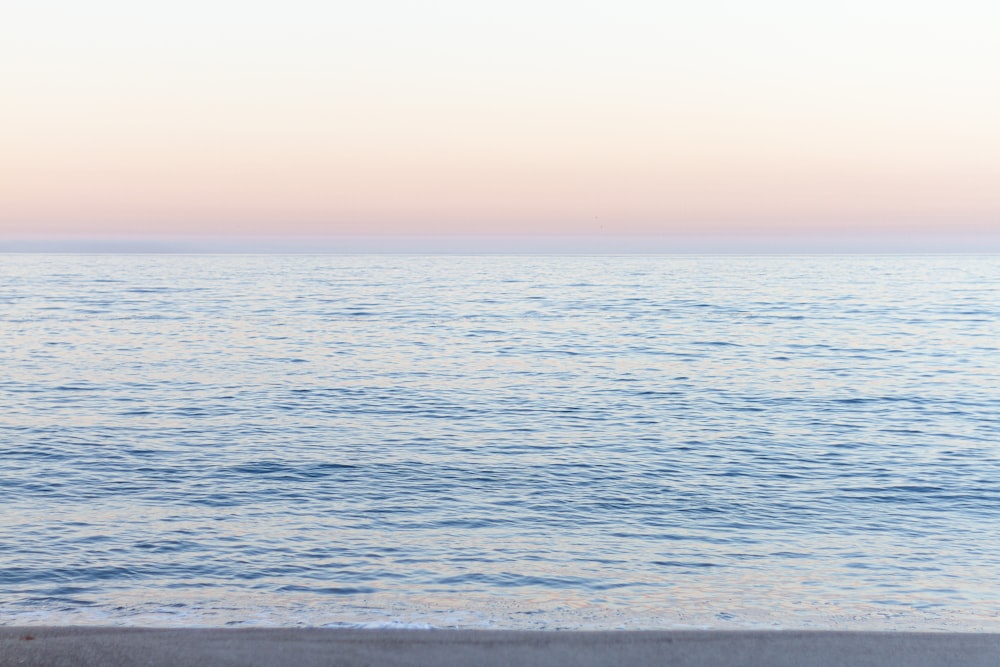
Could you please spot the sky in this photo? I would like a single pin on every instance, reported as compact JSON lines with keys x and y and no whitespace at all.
{"x":548,"y":118}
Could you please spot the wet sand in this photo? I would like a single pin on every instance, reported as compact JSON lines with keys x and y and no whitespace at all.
{"x":287,"y":647}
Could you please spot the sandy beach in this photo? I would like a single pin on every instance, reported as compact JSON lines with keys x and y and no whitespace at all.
{"x":281,"y":647}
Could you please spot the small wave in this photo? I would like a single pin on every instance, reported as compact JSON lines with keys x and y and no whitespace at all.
{"x":327,"y":590}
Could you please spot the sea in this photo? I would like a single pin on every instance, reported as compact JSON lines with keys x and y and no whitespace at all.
{"x":500,"y":441}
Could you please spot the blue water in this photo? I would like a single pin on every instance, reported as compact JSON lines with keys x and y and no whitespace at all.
{"x":501,"y":441}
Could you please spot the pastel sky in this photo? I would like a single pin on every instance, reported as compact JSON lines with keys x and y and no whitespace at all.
{"x":523,"y":117}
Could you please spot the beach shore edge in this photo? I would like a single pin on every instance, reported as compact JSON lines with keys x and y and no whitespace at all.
{"x":304,"y":647}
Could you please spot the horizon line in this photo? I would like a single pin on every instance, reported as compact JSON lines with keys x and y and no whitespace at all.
{"x":769,"y":243}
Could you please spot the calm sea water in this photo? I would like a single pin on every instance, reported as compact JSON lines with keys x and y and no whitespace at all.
{"x":501,"y":441}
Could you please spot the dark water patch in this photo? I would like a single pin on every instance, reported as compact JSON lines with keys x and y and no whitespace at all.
{"x":328,"y":590}
{"x":514,"y":580}
{"x":58,"y":601}
{"x":684,"y":565}
{"x":166,"y":546}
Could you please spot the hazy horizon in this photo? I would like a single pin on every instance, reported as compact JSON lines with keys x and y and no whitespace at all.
{"x":500,"y":244}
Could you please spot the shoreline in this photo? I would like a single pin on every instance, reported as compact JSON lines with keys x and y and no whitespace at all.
{"x":54,"y":646}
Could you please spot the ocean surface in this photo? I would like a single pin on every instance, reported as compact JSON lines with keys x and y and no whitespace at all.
{"x":501,"y":441}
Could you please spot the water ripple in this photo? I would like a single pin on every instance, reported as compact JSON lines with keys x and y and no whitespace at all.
{"x":501,"y":441}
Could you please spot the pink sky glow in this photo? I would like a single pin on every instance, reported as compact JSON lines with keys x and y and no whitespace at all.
{"x":535,"y":119}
